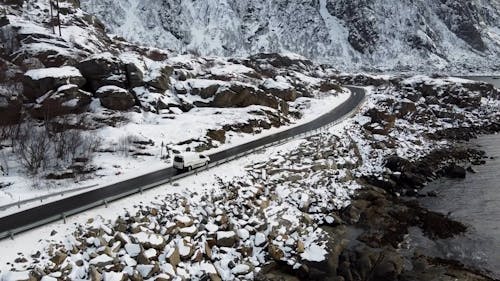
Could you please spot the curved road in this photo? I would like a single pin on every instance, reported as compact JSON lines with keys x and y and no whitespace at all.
{"x":44,"y":214}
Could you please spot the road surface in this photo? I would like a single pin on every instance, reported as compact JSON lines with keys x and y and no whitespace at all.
{"x":50,"y":212}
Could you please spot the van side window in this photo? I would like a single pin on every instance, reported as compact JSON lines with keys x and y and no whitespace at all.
{"x":202,"y":156}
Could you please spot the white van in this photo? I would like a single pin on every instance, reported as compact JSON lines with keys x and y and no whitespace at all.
{"x":190,"y":160}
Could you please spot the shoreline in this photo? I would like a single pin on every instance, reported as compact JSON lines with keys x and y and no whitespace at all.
{"x":272,"y":221}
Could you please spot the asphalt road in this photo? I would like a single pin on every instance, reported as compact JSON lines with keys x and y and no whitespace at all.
{"x":41,"y":215}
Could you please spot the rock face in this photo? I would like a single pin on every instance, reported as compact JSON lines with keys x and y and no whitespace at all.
{"x":161,"y":78}
{"x":238,"y":95}
{"x":38,"y":82}
{"x":10,"y":109}
{"x":10,"y":99}
{"x":66,"y":99}
{"x":347,"y":33}
{"x":115,"y":98}
{"x":103,"y":69}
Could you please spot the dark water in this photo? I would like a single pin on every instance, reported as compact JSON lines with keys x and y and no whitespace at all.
{"x":474,"y":201}
{"x":495,"y":80}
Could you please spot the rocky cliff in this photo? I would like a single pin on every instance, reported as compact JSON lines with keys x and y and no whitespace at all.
{"x":419,"y":35}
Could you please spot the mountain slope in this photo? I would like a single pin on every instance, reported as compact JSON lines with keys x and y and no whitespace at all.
{"x":391,"y":35}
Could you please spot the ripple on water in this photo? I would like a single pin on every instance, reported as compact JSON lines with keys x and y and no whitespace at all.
{"x":476,"y":202}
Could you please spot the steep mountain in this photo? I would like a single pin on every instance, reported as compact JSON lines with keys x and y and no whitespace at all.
{"x":417,"y":35}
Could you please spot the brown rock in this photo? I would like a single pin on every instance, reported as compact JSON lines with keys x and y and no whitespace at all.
{"x":226,"y":238}
{"x":275,"y":252}
{"x":174,"y":259}
{"x":95,"y":275}
{"x":67,"y":99}
{"x":208,"y":251}
{"x":59,"y":258}
{"x":215,"y":277}
{"x":218,"y":135}
{"x":162,"y":80}
{"x":115,"y":98}
{"x":240,"y":95}
{"x":300,"y":247}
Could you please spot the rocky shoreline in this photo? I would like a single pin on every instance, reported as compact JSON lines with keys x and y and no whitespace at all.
{"x":333,"y":207}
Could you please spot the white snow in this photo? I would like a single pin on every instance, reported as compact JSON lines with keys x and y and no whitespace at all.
{"x":274,"y":84}
{"x":225,"y":234}
{"x":111,"y":88}
{"x":314,"y":253}
{"x":101,"y":259}
{"x":54,"y":72}
{"x":133,"y":249}
{"x":231,"y":69}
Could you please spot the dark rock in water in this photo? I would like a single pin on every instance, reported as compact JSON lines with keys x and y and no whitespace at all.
{"x":455,"y":171}
{"x":471,"y":170}
{"x":432,"y":194}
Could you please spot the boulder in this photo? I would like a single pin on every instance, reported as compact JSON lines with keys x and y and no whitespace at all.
{"x":455,"y":171}
{"x":275,"y":252}
{"x":101,"y":261}
{"x":405,"y":107}
{"x":10,"y":109}
{"x":115,"y":98}
{"x":67,"y":99}
{"x":226,"y":238}
{"x":4,"y":21}
{"x":161,"y":78}
{"x":135,"y":77}
{"x":174,"y":257}
{"x":280,"y":89}
{"x":103,"y":69}
{"x":218,"y":135}
{"x":38,"y":82}
{"x":59,"y":258}
{"x":241,"y":95}
{"x":204,"y":88}
{"x":94,"y":274}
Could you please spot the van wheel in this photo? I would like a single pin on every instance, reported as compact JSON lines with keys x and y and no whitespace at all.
{"x":189,"y":168}
{"x":206,"y":164}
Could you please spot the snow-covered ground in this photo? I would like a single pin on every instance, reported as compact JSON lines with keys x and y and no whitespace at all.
{"x":267,"y":206}
{"x":117,"y":167}
{"x":193,"y":187}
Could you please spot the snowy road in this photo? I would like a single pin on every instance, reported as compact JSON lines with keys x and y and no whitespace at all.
{"x":57,"y":210}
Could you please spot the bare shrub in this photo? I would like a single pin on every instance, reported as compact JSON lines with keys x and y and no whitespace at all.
{"x":125,"y":144}
{"x":89,"y":146}
{"x":33,"y":147}
{"x":4,"y":164}
{"x":66,"y":144}
{"x":9,"y":133}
